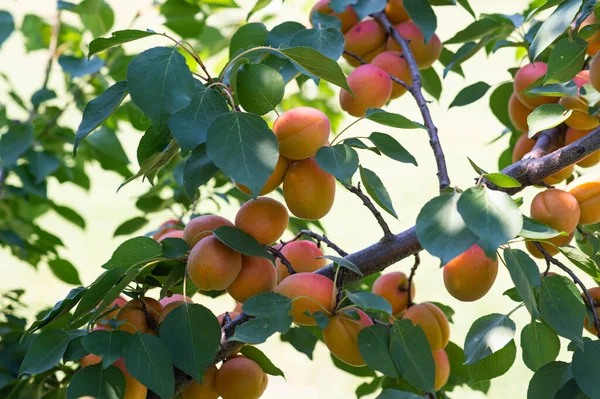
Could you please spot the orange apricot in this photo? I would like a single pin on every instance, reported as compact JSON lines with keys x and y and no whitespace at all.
{"x":341,"y":336}
{"x":89,"y":360}
{"x":589,"y":324}
{"x":203,"y":226}
{"x":141,"y":314}
{"x":425,"y":53}
{"x":433,"y":322}
{"x":580,"y":118}
{"x":556,"y":208}
{"x":263,"y":218}
{"x":524,"y":78}
{"x":470,"y":275}
{"x":212,"y":265}
{"x":394,"y":64}
{"x":133,"y":388}
{"x":302,"y":255}
{"x":348,"y":17}
{"x":273,"y":181}
{"x":308,"y":190}
{"x":594,"y":41}
{"x":574,"y":135}
{"x":171,"y":234}
{"x":586,"y":190}
{"x":257,"y":275}
{"x":206,"y":390}
{"x":240,"y":378}
{"x":518,"y":114}
{"x":558,"y":241}
{"x":169,"y":225}
{"x":372,"y":88}
{"x":396,"y":12}
{"x":301,"y":131}
{"x":559,"y":176}
{"x":442,"y":368}
{"x":365,"y":39}
{"x":393,"y":287}
{"x":310,"y":293}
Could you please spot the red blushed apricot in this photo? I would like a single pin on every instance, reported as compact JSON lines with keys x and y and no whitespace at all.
{"x":524,"y":145}
{"x":396,"y":12}
{"x":574,"y":135}
{"x":348,"y":17}
{"x":442,"y":369}
{"x":372,"y":88}
{"x":586,"y":189}
{"x":258,"y":275}
{"x":518,"y":114}
{"x":366,"y":39}
{"x":302,"y":255}
{"x":169,"y":225}
{"x":212,"y":265}
{"x":394,"y":64}
{"x":341,"y":336}
{"x":556,"y":208}
{"x":595,"y":72}
{"x":470,"y":275}
{"x":240,"y":378}
{"x":589,"y":324}
{"x":273,"y":181}
{"x":524,"y":78}
{"x":316,"y":292}
{"x":171,"y":234}
{"x":393,"y":287}
{"x":141,"y":314}
{"x":164,"y":301}
{"x":203,"y":226}
{"x":433,"y":322}
{"x":558,"y":241}
{"x":133,"y":388}
{"x":264,"y":218}
{"x":580,"y":117}
{"x":206,"y":390}
{"x":425,"y":53}
{"x":594,"y":41}
{"x":308,"y":190}
{"x":301,"y":131}
{"x":89,"y":360}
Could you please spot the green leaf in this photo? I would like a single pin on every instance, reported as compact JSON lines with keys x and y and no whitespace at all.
{"x":553,"y":27}
{"x":134,"y":251}
{"x":42,"y":164}
{"x":377,"y":190}
{"x":14,"y":143}
{"x":60,"y":309}
{"x":475,"y":31}
{"x":78,"y":67}
{"x":148,"y":360}
{"x":250,"y":35}
{"x":562,"y":307}
{"x":75,"y":350}
{"x":390,"y":119}
{"x":117,"y":38}
{"x":392,"y":148}
{"x":301,"y":339}
{"x":502,"y":180}
{"x":342,"y":263}
{"x":494,"y":365}
{"x":181,"y":18}
{"x":325,"y":20}
{"x":366,"y":7}
{"x":263,"y":361}
{"x":259,"y":88}
{"x":368,"y":301}
{"x":46,"y":350}
{"x":412,"y":356}
{"x":540,"y":345}
{"x":548,"y":380}
{"x":327,"y":41}
{"x":271,"y":313}
{"x":492,"y":215}
{"x":70,"y":215}
{"x":192,"y":334}
{"x":374,"y":346}
{"x":42,"y":95}
{"x":198,"y":170}
{"x":499,"y":104}
{"x":96,"y":382}
{"x":244,"y":148}
{"x":525,"y":274}
{"x":130,"y":226}
{"x":174,"y":248}
{"x":395,"y":394}
{"x":368,"y":388}
{"x":281,"y":34}
{"x":318,"y":64}
{"x":154,"y":141}
{"x":96,"y":16}
{"x":459,"y":372}
{"x":98,"y":110}
{"x":65,"y":271}
{"x":241,"y":242}
{"x":566,"y":60}
{"x":7,"y":26}
{"x":432,"y":83}
{"x":535,"y":230}
{"x":340,"y":160}
{"x":461,"y":55}
{"x":470,"y":94}
{"x":160,"y":83}
{"x":422,"y":14}
{"x":488,"y":335}
{"x":581,"y":260}
{"x":94,"y":294}
{"x":108,"y":344}
{"x":585,"y":369}
{"x":260,"y":4}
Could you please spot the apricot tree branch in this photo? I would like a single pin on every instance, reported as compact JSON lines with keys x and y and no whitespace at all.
{"x":387,"y":234}
{"x":413,"y":271}
{"x":277,"y":253}
{"x":320,"y":239}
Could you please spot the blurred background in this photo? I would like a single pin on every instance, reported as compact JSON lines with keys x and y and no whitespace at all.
{"x":464,"y":132}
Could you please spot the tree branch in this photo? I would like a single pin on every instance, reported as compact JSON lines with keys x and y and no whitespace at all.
{"x":320,"y":239}
{"x":387,"y":234}
{"x":413,"y":271}
{"x":277,"y":253}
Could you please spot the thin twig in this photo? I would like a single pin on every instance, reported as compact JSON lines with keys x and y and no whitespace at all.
{"x":369,"y":204}
{"x":192,"y":52}
{"x":277,"y":253}
{"x":227,"y":91}
{"x":413,"y":271}
{"x":320,"y":239}
{"x":392,"y":77}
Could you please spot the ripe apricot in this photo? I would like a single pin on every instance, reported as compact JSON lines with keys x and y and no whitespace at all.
{"x":372,"y":88}
{"x":168,"y":308}
{"x":141,"y":314}
{"x":169,"y":225}
{"x":594,"y":40}
{"x":574,"y":135}
{"x":559,"y":176}
{"x":394,"y":64}
{"x":212,"y":265}
{"x":341,"y":336}
{"x":348,"y":17}
{"x":589,"y":324}
{"x":595,"y":72}
{"x":470,"y":275}
{"x":558,"y":241}
{"x":273,"y":181}
{"x":302,"y":255}
{"x":308,"y":190}
{"x":524,"y":145}
{"x":556,"y":208}
{"x":442,"y":369}
{"x":586,"y":189}
{"x":316,"y":292}
{"x":206,"y":390}
{"x":171,"y":234}
{"x":240,"y":378}
{"x":394,"y":288}
{"x":425,"y":53}
{"x":301,"y":131}
{"x":580,"y":117}
{"x":396,"y":12}
{"x":263,"y":218}
{"x":89,"y":360}
{"x":524,"y":78}
{"x":133,"y":388}
{"x":518,"y":114}
{"x":203,"y":226}
{"x":365,"y":39}
{"x":257,"y":275}
{"x":174,"y":298}
{"x":433,"y":322}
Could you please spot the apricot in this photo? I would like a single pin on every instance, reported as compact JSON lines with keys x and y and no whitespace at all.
{"x":169,"y":225}
{"x":556,"y":208}
{"x":580,"y":117}
{"x":240,"y":378}
{"x":433,"y":322}
{"x":206,"y":390}
{"x":558,"y":241}
{"x":308,"y":190}
{"x":425,"y":53}
{"x":393,"y":287}
{"x":594,"y":40}
{"x":394,"y":64}
{"x":273,"y":181}
{"x":589,"y":324}
{"x":212,"y":265}
{"x":524,"y":145}
{"x":574,"y":135}
{"x":164,"y":301}
{"x":524,"y":78}
{"x":263,"y":218}
{"x":203,"y":226}
{"x":302,"y":255}
{"x":582,"y":78}
{"x":141,"y":314}
{"x":372,"y":88}
{"x":348,"y":17}
{"x":89,"y":360}
{"x":133,"y":388}
{"x":167,"y":309}
{"x":341,"y":336}
{"x":586,"y":190}
{"x":470,"y":275}
{"x":365,"y":39}
{"x":518,"y":114}
{"x":595,"y":72}
{"x":442,"y":369}
{"x":171,"y":234}
{"x":310,"y":293}
{"x":396,"y":12}
{"x":257,"y":275}
{"x":559,"y":176}
{"x":301,"y":131}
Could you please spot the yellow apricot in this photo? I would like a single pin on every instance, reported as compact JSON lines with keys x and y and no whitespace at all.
{"x":302,"y":255}
{"x":580,"y":117}
{"x":257,"y":275}
{"x":240,"y":378}
{"x":574,"y":135}
{"x":470,"y":275}
{"x":348,"y":17}
{"x":559,"y":176}
{"x":310,"y":293}
{"x":518,"y":114}
{"x":524,"y":78}
{"x":393,"y":287}
{"x":308,"y":190}
{"x":365,"y":39}
{"x":301,"y":131}
{"x":273,"y":181}
{"x":442,"y":369}
{"x":394,"y":64}
{"x":206,"y":390}
{"x":433,"y":322}
{"x":372,"y":88}
{"x":203,"y":226}
{"x":263,"y":218}
{"x":586,"y":190}
{"x":141,"y":314}
{"x":556,"y":208}
{"x":395,"y":11}
{"x":212,"y":265}
{"x":133,"y":388}
{"x":341,"y":336}
{"x":425,"y":53}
